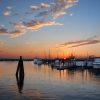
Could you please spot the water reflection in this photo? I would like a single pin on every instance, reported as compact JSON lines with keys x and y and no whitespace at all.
{"x":46,"y":83}
{"x":96,"y":72}
{"x":20,"y":82}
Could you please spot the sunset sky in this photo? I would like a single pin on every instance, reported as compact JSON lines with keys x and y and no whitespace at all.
{"x":33,"y":28}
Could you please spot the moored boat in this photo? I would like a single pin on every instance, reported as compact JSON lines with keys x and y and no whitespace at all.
{"x":96,"y":63}
{"x":38,"y":61}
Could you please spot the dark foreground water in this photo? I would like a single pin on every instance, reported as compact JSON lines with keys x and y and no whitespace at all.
{"x":45,"y":83}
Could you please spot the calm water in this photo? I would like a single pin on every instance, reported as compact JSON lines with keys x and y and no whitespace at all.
{"x":45,"y":83}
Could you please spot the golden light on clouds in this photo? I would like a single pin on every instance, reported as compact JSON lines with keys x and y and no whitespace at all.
{"x":34,"y":7}
{"x":45,"y":5}
{"x":40,"y":18}
{"x":34,"y":25}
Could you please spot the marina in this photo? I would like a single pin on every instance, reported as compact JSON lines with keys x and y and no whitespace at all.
{"x":69,"y":63}
{"x":49,"y":50}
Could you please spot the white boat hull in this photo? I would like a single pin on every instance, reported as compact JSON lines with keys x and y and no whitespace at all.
{"x":96,"y":63}
{"x":38,"y":61}
{"x":96,"y":66}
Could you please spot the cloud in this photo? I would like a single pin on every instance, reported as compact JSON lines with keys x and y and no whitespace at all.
{"x":43,"y":13}
{"x":44,"y":16}
{"x":3,"y":30}
{"x":62,"y":5}
{"x":9,"y":7}
{"x":86,"y":43}
{"x":6,"y":13}
{"x":34,"y":25}
{"x":59,"y":14}
{"x":77,"y":43}
{"x":22,"y":27}
{"x":58,"y":8}
{"x":45,"y":5}
{"x":69,"y":1}
{"x":15,"y":33}
{"x":34,"y":7}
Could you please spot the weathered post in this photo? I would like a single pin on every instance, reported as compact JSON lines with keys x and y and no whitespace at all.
{"x":20,"y":75}
{"x":20,"y":68}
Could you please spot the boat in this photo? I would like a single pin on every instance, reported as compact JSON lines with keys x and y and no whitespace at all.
{"x":38,"y":61}
{"x":56,"y":63}
{"x":89,"y":63}
{"x":96,"y":63}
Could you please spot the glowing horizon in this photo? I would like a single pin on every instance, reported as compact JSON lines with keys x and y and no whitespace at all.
{"x":43,"y":28}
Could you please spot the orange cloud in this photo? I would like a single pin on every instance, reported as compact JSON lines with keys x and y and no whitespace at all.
{"x":34,"y":25}
{"x":77,"y":43}
{"x":34,"y":7}
{"x":16,"y":33}
{"x":59,"y":14}
{"x":45,"y":5}
{"x":86,"y":43}
{"x":22,"y":27}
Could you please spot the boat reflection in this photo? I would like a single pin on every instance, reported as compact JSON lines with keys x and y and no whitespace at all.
{"x":96,"y":72}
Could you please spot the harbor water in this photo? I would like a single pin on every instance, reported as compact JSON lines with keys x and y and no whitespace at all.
{"x":45,"y":83}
